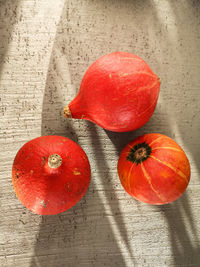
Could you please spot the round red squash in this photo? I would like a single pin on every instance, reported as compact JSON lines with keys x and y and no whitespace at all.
{"x":50,"y":174}
{"x":154,"y":169}
{"x":118,"y":92}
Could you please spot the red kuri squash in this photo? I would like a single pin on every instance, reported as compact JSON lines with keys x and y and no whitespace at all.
{"x":118,"y":92}
{"x":50,"y":174}
{"x":154,"y":169}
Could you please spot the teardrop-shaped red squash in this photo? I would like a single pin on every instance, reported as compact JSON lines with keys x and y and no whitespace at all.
{"x":50,"y":174}
{"x":118,"y":92}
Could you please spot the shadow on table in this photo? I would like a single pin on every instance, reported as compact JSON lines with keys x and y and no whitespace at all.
{"x":8,"y":18}
{"x":182,"y":232}
{"x":84,"y":235}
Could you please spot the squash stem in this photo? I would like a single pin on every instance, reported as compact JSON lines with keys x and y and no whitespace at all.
{"x":54,"y":161}
{"x":66,"y":112}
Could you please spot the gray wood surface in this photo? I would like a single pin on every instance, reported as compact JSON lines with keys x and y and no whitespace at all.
{"x":45,"y":48}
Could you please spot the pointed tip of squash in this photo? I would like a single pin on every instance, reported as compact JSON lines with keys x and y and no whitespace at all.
{"x":66,"y":112}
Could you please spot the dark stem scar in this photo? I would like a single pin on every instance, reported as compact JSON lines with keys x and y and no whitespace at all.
{"x":139,"y":153}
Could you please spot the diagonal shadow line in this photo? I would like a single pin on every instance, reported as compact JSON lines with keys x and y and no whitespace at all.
{"x":8,"y":18}
{"x":185,"y":207}
{"x":109,"y":189}
{"x":53,"y":122}
{"x":186,"y":251}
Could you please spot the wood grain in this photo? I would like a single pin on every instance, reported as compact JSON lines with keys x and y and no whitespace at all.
{"x":45,"y":48}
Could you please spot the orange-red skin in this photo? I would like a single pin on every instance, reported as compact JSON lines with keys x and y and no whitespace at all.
{"x":160,"y":179}
{"x":45,"y":190}
{"x":118,"y":92}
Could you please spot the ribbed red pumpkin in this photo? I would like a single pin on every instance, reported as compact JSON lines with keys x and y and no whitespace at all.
{"x":50,"y":174}
{"x":154,"y":169}
{"x":118,"y":92}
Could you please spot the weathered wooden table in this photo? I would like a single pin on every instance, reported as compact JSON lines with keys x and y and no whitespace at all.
{"x":45,"y":48}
